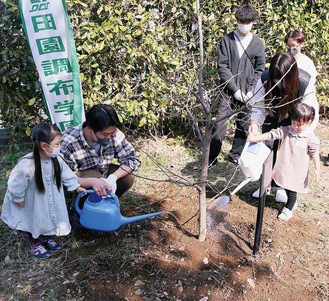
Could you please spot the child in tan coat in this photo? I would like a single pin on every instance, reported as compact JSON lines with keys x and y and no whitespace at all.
{"x":298,"y":145}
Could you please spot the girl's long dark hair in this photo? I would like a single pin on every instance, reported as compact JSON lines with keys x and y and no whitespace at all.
{"x":283,"y":96}
{"x":45,"y":133}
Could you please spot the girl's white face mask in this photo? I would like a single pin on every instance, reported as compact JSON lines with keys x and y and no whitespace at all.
{"x":245,"y":28}
{"x":55,"y":153}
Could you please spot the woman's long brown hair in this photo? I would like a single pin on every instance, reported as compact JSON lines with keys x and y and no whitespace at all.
{"x":281,"y":98}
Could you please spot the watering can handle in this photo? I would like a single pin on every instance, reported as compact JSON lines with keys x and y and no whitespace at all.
{"x":77,"y":208}
{"x":89,"y":191}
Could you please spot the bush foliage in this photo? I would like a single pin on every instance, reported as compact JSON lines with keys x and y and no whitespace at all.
{"x":143,"y":56}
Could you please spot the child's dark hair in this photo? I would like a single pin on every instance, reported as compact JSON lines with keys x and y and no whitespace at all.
{"x":45,"y":133}
{"x":102,"y":116}
{"x":303,"y":113}
{"x":246,"y":14}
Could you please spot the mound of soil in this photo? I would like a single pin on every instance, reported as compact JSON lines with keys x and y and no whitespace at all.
{"x":162,"y":259}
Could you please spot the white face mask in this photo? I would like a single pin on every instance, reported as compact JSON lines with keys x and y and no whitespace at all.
{"x":244,"y":28}
{"x":294,"y":51}
{"x":55,"y":153}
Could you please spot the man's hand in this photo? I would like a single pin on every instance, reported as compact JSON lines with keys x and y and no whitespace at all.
{"x":100,"y":186}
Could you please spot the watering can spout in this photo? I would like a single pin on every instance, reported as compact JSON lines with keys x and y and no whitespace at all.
{"x":128,"y":220}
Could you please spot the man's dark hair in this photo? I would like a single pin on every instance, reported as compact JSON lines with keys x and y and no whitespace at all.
{"x":101,"y":116}
{"x":246,"y":14}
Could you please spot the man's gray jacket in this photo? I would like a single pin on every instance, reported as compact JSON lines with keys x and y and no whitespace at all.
{"x":240,"y":73}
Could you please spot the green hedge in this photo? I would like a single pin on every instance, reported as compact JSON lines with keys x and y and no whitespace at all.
{"x":144,"y":58}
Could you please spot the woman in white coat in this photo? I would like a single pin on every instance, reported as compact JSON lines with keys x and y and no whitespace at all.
{"x":276,"y":94}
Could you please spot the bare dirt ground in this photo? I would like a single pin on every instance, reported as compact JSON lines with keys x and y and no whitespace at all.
{"x":162,"y":259}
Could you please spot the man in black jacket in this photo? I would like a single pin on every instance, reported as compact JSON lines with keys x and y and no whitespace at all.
{"x":241,"y":61}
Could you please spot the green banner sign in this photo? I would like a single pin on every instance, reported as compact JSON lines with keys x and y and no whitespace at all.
{"x":51,"y":42}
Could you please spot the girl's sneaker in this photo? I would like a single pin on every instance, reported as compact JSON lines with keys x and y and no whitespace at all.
{"x":285,"y":214}
{"x":39,"y":251}
{"x":50,"y":244}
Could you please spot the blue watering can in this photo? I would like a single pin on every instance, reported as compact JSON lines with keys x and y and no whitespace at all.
{"x":103,"y":213}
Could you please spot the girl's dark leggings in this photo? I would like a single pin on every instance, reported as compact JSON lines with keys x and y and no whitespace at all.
{"x":292,"y":197}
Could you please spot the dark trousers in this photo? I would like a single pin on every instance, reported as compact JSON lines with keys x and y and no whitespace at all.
{"x":226,"y":105}
{"x":292,"y":197}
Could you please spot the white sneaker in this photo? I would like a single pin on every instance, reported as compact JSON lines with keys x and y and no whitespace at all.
{"x":281,"y":196}
{"x":256,"y":193}
{"x":285,"y":214}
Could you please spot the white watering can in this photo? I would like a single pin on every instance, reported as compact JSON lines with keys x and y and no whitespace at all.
{"x":252,"y":158}
{"x":250,"y":162}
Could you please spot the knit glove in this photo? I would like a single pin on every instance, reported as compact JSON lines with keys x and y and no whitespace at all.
{"x":111,"y":180}
{"x":250,"y":95}
{"x":240,"y":96}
